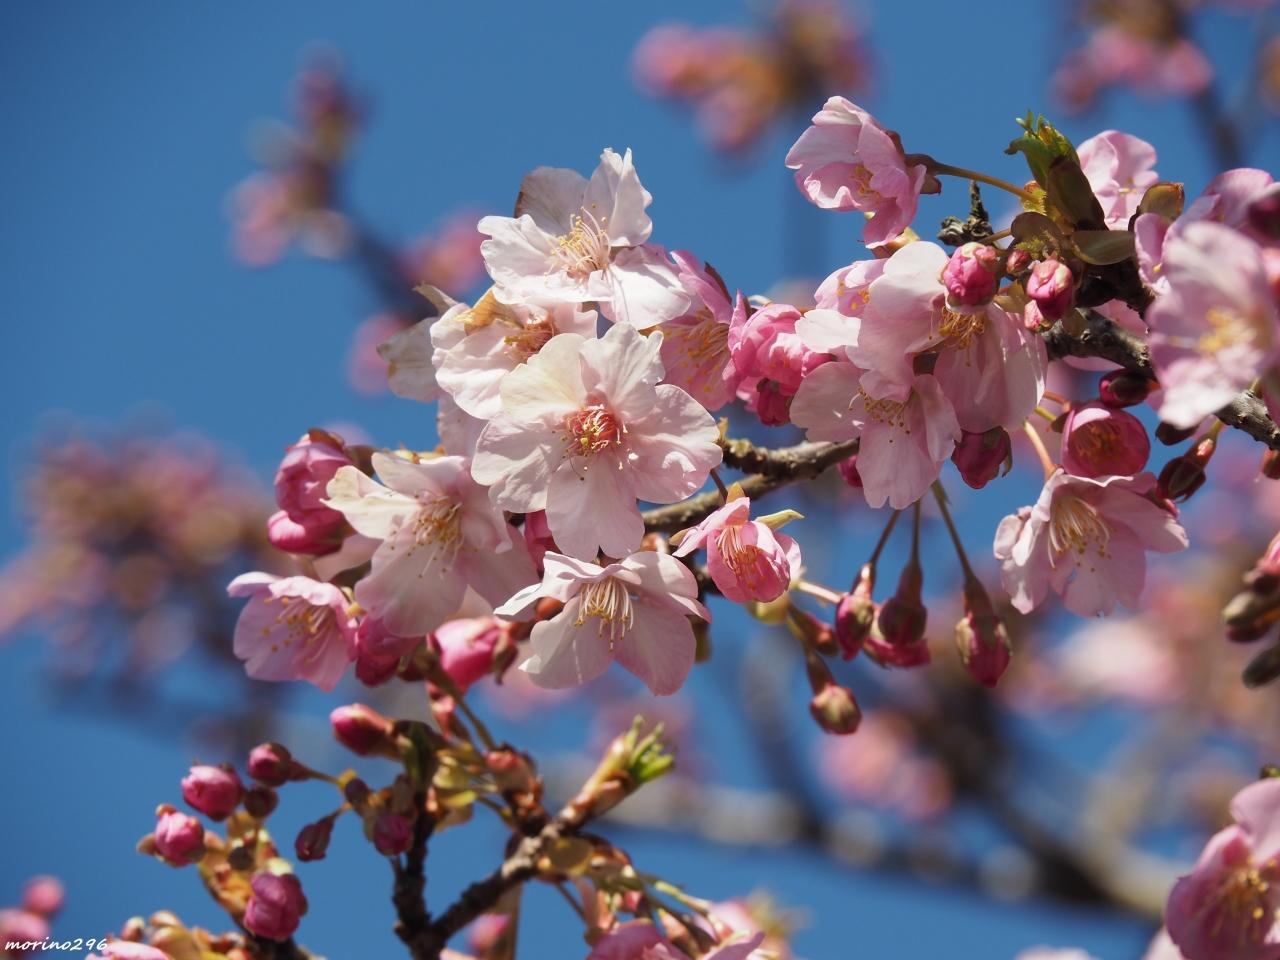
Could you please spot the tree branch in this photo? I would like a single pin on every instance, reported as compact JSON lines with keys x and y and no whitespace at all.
{"x":413,"y":922}
{"x":769,"y":469}
{"x":1103,"y":338}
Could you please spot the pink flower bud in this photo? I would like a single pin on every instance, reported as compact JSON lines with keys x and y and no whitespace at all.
{"x":835,"y":709}
{"x":312,"y":842}
{"x":856,"y":613}
{"x":272,"y":764}
{"x":378,"y":651}
{"x":849,"y":472}
{"x":1120,"y":388}
{"x":1099,"y":441}
{"x":362,"y":730}
{"x":22,"y":926}
{"x":980,"y":456}
{"x":1016,"y":262}
{"x":466,"y":648}
{"x":305,"y":524}
{"x":392,"y":834}
{"x":275,"y":906}
{"x":981,"y":639}
{"x":43,"y":895}
{"x":179,"y":837}
{"x":537,"y":536}
{"x":1264,"y":212}
{"x":285,"y":533}
{"x":972,"y":274}
{"x":214,"y":791}
{"x":771,"y":405}
{"x":1051,"y":286}
{"x":897,"y":638}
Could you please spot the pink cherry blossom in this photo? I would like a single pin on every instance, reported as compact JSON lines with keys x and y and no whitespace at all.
{"x":1087,"y":539}
{"x":695,"y":346}
{"x":1100,"y":441}
{"x":771,"y":359}
{"x":439,"y":534}
{"x":587,"y":429}
{"x":745,"y":558}
{"x":1214,"y":331}
{"x":1117,"y":56}
{"x":635,"y":611}
{"x":467,"y":351}
{"x":574,"y":240}
{"x":1228,"y":196}
{"x":848,"y":290}
{"x":293,"y":628}
{"x":906,"y":434}
{"x":1228,"y":907}
{"x":990,"y":367}
{"x":846,"y":161}
{"x":641,"y":940}
{"x":214,"y":791}
{"x":1120,"y":168}
{"x":23,"y":926}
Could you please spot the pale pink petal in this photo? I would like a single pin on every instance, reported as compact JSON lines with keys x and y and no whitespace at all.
{"x":617,"y":201}
{"x":563,"y":654}
{"x":658,"y":648}
{"x":594,"y":508}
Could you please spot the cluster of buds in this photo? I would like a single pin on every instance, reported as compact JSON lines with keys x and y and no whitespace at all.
{"x":1253,"y":613}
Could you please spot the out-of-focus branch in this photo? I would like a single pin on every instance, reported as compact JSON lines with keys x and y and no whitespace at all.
{"x":769,"y":469}
{"x":413,"y":922}
{"x":1104,"y":338}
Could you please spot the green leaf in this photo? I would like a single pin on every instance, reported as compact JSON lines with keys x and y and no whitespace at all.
{"x":1101,"y":247}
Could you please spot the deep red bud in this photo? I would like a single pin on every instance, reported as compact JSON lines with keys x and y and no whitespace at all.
{"x":1170,"y":435}
{"x":1122,"y":388}
{"x":260,"y":801}
{"x":312,"y":842}
{"x":392,"y":834}
{"x":362,"y":730}
{"x":980,"y":456}
{"x":272,"y":764}
{"x":835,"y":709}
{"x":856,"y":613}
{"x":981,"y":638}
{"x":1271,"y":464}
{"x":1183,"y":476}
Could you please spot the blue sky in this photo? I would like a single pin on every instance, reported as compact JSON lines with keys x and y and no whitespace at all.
{"x":126,"y":125}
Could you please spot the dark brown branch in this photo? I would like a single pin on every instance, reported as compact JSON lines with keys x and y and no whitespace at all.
{"x":278,"y":949}
{"x":769,"y":469}
{"x":1103,"y":338}
{"x":413,"y":922}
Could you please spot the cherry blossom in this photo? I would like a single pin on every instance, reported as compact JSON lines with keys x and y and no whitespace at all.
{"x":635,"y":611}
{"x":439,"y":534}
{"x":846,"y":161}
{"x":1214,"y":332}
{"x":745,"y":557}
{"x":1087,"y":539}
{"x":1228,"y":907}
{"x":695,"y":346}
{"x":575,"y":240}
{"x":1120,"y":167}
{"x":641,"y":940}
{"x":586,"y":429}
{"x":293,"y":628}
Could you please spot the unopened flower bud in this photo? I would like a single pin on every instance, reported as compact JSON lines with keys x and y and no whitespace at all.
{"x":392,"y":834}
{"x":835,"y":709}
{"x":260,"y":801}
{"x":772,"y":406}
{"x":812,"y":632}
{"x":214,"y":791}
{"x":972,"y":274}
{"x":1183,"y":476}
{"x":903,"y":616}
{"x":356,"y":792}
{"x":1051,"y":286}
{"x":512,"y":770}
{"x":275,"y":906}
{"x":1271,"y":464}
{"x":285,"y":533}
{"x":271,"y":764}
{"x":363,"y":730}
{"x":1170,"y":435}
{"x":856,"y":612}
{"x":179,"y":837}
{"x":981,"y":638}
{"x":849,"y":472}
{"x":1098,"y":441}
{"x":1123,"y":388}
{"x":981,"y":456}
{"x":312,"y":842}
{"x":1264,"y":212}
{"x":43,"y":895}
{"x":1017,"y":262}
{"x":1264,"y":668}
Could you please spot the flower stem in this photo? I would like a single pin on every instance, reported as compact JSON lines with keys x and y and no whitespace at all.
{"x":1036,"y":441}
{"x":941,"y":496}
{"x":884,"y":536}
{"x":817,"y":590}
{"x":948,"y":169}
